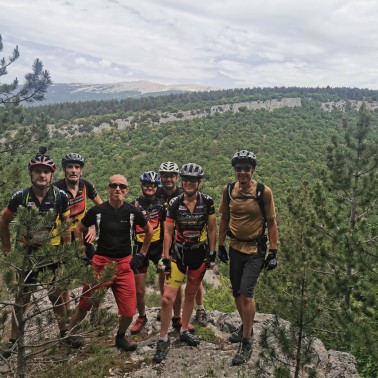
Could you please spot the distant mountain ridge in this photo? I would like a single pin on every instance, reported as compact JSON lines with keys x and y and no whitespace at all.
{"x":74,"y":92}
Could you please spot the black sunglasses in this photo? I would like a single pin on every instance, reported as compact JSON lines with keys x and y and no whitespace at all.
{"x":114,"y":185}
{"x":190,"y":179}
{"x":149,"y":184}
{"x":245,"y":168}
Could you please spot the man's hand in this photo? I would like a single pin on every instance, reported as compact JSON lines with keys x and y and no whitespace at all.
{"x":165,"y":266}
{"x":90,"y":236}
{"x":270,"y":262}
{"x":137,"y":262}
{"x":222,"y":254}
{"x":210,"y":259}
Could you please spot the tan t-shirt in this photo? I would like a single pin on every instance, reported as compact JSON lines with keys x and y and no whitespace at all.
{"x":246,"y":219}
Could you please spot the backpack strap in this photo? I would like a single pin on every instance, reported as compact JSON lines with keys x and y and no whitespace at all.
{"x":259,"y":197}
{"x":57,"y":201}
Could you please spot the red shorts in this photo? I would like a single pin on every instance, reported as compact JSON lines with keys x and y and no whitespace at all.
{"x":122,"y":285}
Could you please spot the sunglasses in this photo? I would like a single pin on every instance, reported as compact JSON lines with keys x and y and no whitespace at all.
{"x":190,"y":179}
{"x":149,"y":184}
{"x":114,"y":185}
{"x":245,"y":168}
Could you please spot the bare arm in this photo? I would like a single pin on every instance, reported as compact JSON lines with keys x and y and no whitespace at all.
{"x":5,"y":220}
{"x":272,"y":233}
{"x":97,"y":200}
{"x":78,"y":232}
{"x":168,"y":233}
{"x":67,"y":233}
{"x":212,"y":233}
{"x":223,"y":224}
{"x":147,"y":238}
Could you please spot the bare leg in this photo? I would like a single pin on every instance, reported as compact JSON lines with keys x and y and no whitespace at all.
{"x":199,"y":295}
{"x":167,"y":301}
{"x":190,"y":293}
{"x":177,"y":304}
{"x":124,"y":324}
{"x":140,"y":283}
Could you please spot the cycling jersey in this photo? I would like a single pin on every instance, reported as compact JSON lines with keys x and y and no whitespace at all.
{"x":54,"y":199}
{"x":191,"y":228}
{"x":153,"y":210}
{"x":114,"y":227}
{"x":246,"y":219}
{"x":78,"y":204}
{"x":165,"y":198}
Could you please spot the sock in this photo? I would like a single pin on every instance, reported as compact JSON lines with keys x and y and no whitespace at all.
{"x":200,"y":307}
{"x":183,"y":330}
{"x":163,"y":338}
{"x":120,"y":334}
{"x":175,"y":319}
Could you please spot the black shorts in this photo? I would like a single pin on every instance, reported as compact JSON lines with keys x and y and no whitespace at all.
{"x":33,"y":277}
{"x":244,"y":271}
{"x":154,"y":254}
{"x":188,"y":258}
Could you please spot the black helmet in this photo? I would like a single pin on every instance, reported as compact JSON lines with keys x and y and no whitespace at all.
{"x":72,"y":157}
{"x":41,"y":159}
{"x":150,"y":176}
{"x":244,"y":156}
{"x":169,"y":167}
{"x":191,"y":170}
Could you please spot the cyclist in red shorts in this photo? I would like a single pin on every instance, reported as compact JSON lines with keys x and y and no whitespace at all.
{"x":191,"y":216}
{"x":114,"y":221}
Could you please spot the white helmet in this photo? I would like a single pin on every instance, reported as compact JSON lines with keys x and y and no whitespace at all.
{"x":169,"y":167}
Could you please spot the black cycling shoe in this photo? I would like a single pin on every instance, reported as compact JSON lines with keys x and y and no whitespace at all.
{"x":75,"y":342}
{"x":189,"y":338}
{"x":236,"y":336}
{"x":243,"y":354}
{"x":124,"y":343}
{"x":161,"y":351}
{"x":201,"y":317}
{"x":9,"y":348}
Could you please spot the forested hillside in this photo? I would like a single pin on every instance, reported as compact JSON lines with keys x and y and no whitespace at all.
{"x":298,"y":156}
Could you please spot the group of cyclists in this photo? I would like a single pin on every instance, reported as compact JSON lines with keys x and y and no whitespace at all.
{"x":172,"y":226}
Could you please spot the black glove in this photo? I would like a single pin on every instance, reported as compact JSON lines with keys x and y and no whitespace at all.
{"x":270,"y":262}
{"x":137,"y":262}
{"x":222,"y":254}
{"x":165,"y":266}
{"x":210,"y":259}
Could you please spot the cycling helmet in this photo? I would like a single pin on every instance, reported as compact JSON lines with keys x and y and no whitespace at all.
{"x":169,"y":167}
{"x":41,"y":159}
{"x":244,"y":156}
{"x":191,"y":170}
{"x":72,"y":157}
{"x":150,"y":176}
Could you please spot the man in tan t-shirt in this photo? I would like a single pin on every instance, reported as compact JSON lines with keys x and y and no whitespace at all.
{"x":244,"y":219}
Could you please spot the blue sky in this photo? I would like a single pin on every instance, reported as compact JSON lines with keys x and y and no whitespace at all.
{"x":219,"y":43}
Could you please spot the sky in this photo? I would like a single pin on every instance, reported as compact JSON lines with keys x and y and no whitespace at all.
{"x":217,"y":43}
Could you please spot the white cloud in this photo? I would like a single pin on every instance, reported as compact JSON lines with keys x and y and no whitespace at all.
{"x":225,"y":43}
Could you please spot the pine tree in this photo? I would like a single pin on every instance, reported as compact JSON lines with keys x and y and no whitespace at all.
{"x":346,"y":204}
{"x":34,"y":87}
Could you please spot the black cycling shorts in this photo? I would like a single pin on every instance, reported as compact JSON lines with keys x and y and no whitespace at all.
{"x":244,"y":271}
{"x":154,"y":254}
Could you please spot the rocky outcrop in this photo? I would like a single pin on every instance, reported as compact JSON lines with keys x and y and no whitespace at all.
{"x":212,"y":358}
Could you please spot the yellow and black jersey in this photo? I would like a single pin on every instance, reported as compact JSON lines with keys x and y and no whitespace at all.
{"x":154,"y":212}
{"x":191,"y":228}
{"x":78,"y":204}
{"x":54,"y":199}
